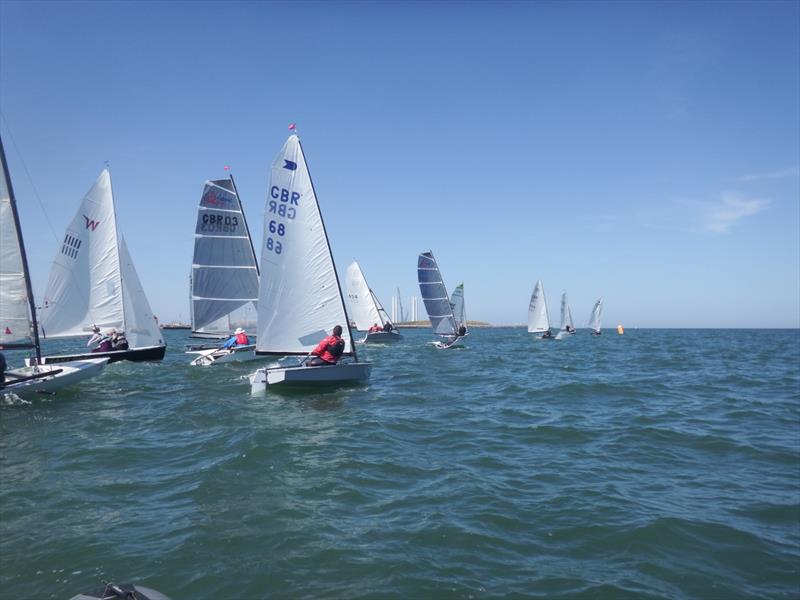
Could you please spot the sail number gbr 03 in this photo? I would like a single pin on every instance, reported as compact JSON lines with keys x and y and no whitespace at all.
{"x":282,"y":205}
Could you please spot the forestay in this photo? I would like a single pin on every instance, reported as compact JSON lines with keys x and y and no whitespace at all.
{"x":538,"y":320}
{"x":299,"y":300}
{"x":594,"y":318}
{"x":459,"y":309}
{"x":366,"y":309}
{"x":225,"y":275}
{"x":434,"y":295}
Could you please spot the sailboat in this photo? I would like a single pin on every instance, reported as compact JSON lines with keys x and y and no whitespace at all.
{"x":439,"y":306}
{"x":93,"y":283}
{"x":367,"y":309}
{"x":594,"y":318}
{"x":538,"y":319}
{"x":224,"y":281}
{"x":300,"y":300}
{"x":567,"y":325}
{"x":18,"y":323}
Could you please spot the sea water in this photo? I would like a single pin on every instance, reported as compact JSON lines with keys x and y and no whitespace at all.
{"x":656,"y":464}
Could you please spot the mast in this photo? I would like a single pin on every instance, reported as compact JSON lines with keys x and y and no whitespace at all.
{"x":246,"y":228}
{"x":29,"y":290}
{"x":330,"y":253}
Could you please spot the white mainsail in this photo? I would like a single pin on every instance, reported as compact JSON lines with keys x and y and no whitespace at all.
{"x":594,"y":318}
{"x":538,"y":320}
{"x":90,"y":273}
{"x":224,"y":280}
{"x":299,"y":300}
{"x":566,"y":314}
{"x":434,"y":295}
{"x":459,"y":309}
{"x":367,"y":310}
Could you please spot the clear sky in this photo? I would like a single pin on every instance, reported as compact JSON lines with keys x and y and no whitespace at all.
{"x":646,"y":153}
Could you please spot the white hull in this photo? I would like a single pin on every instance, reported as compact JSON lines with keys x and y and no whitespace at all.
{"x":62,"y":374}
{"x":309,"y":375}
{"x":446,"y":345}
{"x":215,"y":356}
{"x":382,"y":336}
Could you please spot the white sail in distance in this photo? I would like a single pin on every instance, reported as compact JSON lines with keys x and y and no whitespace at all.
{"x":299,"y":300}
{"x":434,"y":295}
{"x":87,"y":280}
{"x":459,"y":308}
{"x":538,"y":320}
{"x":224,"y":280}
{"x":367,"y":310}
{"x":594,"y":318}
{"x":566,"y":313}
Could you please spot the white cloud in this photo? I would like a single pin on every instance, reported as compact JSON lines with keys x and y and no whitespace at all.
{"x":721,"y":216}
{"x":779,"y":174}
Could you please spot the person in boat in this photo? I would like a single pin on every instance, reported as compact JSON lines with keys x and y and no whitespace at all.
{"x":239,"y":338}
{"x":96,"y":336}
{"x":547,"y":335}
{"x":387,"y":327}
{"x":105,"y":342}
{"x":569,"y":328}
{"x":328,"y":350}
{"x":119,"y":341}
{"x":462,"y":331}
{"x":375,"y":327}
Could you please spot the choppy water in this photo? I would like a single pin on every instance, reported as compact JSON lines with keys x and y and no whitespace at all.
{"x":658,"y":464}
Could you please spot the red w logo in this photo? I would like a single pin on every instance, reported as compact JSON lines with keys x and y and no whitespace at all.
{"x":91,"y":223}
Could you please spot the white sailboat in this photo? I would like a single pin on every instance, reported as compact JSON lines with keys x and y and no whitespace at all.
{"x":18,"y":323}
{"x":224,"y":281}
{"x":367,"y":309}
{"x":567,"y":325}
{"x":93,"y":282}
{"x":538,"y":319}
{"x":594,"y":318}
{"x":439,"y":306}
{"x":300,"y":300}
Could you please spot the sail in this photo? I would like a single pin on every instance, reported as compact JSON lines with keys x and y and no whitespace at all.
{"x":15,"y":317}
{"x":299,"y":300}
{"x":366,"y":311}
{"x":566,"y":313}
{"x":538,"y":321}
{"x":85,"y":281}
{"x":224,"y":280}
{"x":594,"y":318}
{"x":434,"y":295}
{"x":457,"y":302}
{"x":139,"y":324}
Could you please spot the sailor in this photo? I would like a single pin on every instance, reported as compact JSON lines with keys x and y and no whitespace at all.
{"x":105,"y":342}
{"x":388,"y":326}
{"x":462,"y":331}
{"x":547,"y":335}
{"x":119,"y":341}
{"x":328,"y":350}
{"x":239,"y":338}
{"x":375,"y":327}
{"x":96,"y":336}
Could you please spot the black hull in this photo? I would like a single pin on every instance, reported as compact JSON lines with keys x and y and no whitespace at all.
{"x":134,"y":354}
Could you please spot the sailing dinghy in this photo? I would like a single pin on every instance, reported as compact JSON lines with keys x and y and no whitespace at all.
{"x":567,"y":325}
{"x":93,"y":282}
{"x":300,"y":300}
{"x":538,"y":319}
{"x":225,"y":274}
{"x":18,"y":323}
{"x":594,"y":318}
{"x":440,"y":307}
{"x":367,"y":309}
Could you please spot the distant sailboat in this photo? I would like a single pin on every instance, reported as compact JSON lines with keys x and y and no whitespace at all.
{"x":18,"y":323}
{"x":367,"y":309}
{"x":438,"y":304}
{"x":594,"y":318}
{"x":538,"y":319}
{"x":225,"y":274}
{"x":93,"y":282}
{"x":567,"y":325}
{"x":300,"y":299}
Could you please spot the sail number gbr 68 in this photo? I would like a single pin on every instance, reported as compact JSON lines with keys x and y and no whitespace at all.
{"x":282,"y":205}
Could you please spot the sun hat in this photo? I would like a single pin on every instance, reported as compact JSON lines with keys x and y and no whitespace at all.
{"x":239,"y":330}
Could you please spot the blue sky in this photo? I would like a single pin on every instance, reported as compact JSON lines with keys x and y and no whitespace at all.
{"x":646,"y":153}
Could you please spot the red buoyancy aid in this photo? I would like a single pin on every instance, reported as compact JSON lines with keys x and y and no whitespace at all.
{"x":322,"y":349}
{"x":241,"y":339}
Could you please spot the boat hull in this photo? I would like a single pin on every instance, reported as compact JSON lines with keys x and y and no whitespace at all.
{"x":132,"y":354}
{"x":207,"y":358}
{"x":380,"y":337}
{"x":61,"y":375}
{"x":456,"y":343}
{"x":343,"y":372}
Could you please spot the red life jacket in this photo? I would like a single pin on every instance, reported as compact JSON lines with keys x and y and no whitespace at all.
{"x":322,"y":349}
{"x":241,"y":339}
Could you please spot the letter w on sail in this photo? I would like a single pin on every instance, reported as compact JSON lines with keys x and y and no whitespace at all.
{"x":91,"y":223}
